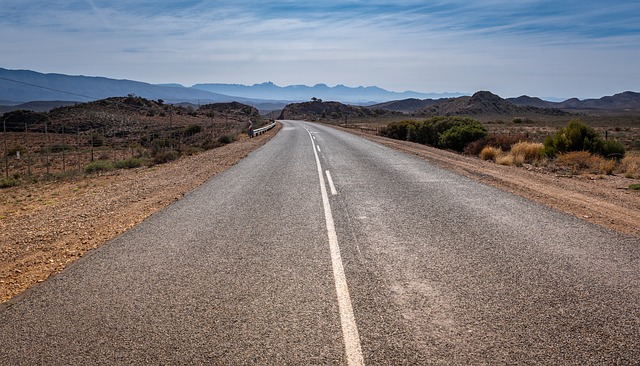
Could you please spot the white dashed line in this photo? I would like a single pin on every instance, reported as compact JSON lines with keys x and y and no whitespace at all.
{"x":350,"y":335}
{"x":332,"y":187}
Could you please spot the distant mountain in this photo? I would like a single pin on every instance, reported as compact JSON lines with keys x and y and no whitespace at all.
{"x":480,"y":103}
{"x":318,"y":110}
{"x":352,"y":95}
{"x":35,"y":106}
{"x":623,"y":101}
{"x":21,"y":86}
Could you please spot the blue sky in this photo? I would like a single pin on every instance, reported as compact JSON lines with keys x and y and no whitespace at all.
{"x":543,"y":48}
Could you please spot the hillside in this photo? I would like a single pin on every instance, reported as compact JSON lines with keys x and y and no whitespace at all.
{"x":483,"y":103}
{"x":622,"y":101}
{"x":319,"y":110}
{"x":20,"y":86}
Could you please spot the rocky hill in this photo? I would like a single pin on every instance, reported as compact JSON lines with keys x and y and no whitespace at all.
{"x":483,"y":103}
{"x":622,"y":101}
{"x":319,"y":110}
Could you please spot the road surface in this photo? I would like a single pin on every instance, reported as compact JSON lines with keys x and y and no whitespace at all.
{"x":324,"y":248}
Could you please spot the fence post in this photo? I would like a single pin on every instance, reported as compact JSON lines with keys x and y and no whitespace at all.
{"x":6,"y":152}
{"x":48,"y":148}
{"x":26,"y":143}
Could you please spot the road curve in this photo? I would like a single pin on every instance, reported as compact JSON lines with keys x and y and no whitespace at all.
{"x":324,"y":248}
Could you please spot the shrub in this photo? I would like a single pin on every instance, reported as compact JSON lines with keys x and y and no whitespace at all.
{"x":451,"y":132}
{"x":634,"y":187}
{"x":578,"y":161}
{"x":630,"y":165}
{"x":505,"y":160}
{"x":612,"y":149}
{"x":397,"y":130}
{"x":577,"y":136}
{"x":607,"y":166}
{"x":527,"y":152}
{"x":192,"y":130}
{"x":98,"y":166}
{"x":129,"y":163}
{"x":165,"y":156}
{"x":490,"y":153}
{"x":226,"y":139}
{"x":458,"y":137}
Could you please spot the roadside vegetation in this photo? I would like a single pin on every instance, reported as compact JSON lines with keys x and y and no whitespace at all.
{"x":112,"y":134}
{"x":573,"y":149}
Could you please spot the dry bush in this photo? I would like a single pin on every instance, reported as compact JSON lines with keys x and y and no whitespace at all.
{"x":630,"y":165}
{"x":607,"y":166}
{"x":579,"y":161}
{"x":526,"y":152}
{"x":490,"y":153}
{"x":505,"y":160}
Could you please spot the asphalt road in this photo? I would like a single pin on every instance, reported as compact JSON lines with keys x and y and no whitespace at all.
{"x":391,"y":261}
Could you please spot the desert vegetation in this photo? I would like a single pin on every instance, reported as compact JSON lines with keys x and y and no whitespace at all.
{"x":453,"y":133}
{"x":114,"y":133}
{"x":572,"y":148}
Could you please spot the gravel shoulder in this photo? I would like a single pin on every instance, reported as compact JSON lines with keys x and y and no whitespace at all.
{"x":599,"y":199}
{"x":46,"y":226}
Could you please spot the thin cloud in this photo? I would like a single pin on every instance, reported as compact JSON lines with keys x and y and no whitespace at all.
{"x":431,"y":46}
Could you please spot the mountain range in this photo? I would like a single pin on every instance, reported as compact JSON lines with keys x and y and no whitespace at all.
{"x":484,"y":102}
{"x":22,"y":86}
{"x":353,"y":95}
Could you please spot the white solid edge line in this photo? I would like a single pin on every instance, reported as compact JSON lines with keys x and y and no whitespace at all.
{"x":332,"y":187}
{"x":350,"y":335}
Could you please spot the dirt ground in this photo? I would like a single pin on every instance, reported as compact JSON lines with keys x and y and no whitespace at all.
{"x":46,"y":226}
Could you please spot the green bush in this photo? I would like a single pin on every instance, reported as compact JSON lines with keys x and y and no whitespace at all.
{"x":98,"y":166}
{"x":612,"y":149}
{"x":129,"y":163}
{"x":577,"y":136}
{"x":457,"y":137}
{"x":192,"y":130}
{"x":226,"y":139}
{"x":448,"y":132}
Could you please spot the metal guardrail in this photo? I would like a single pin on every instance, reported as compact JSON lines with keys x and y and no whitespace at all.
{"x":264,"y":129}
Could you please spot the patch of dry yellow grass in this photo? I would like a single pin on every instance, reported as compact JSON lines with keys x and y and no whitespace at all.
{"x":490,"y":153}
{"x":630,"y":165}
{"x":526,"y":152}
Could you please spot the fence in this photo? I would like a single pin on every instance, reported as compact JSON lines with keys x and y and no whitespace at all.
{"x":33,"y":152}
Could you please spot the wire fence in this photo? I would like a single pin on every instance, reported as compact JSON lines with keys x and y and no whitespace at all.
{"x":47,"y":150}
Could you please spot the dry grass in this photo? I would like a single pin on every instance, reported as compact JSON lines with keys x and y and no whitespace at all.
{"x":585,"y":162}
{"x":505,"y":160}
{"x":630,"y":165}
{"x":607,"y":166}
{"x":527,"y":152}
{"x":490,"y":153}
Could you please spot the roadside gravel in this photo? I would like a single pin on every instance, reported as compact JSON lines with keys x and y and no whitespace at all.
{"x":46,"y":226}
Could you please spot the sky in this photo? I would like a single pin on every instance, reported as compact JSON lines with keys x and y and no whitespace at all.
{"x":548,"y":49}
